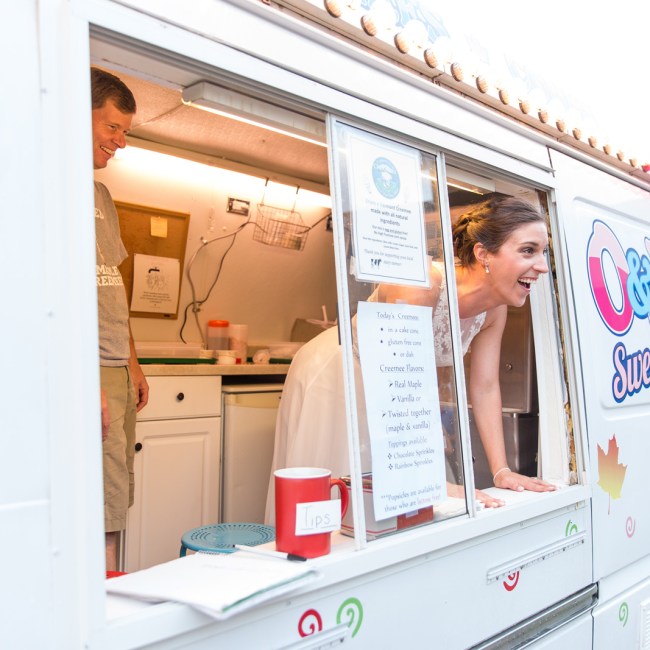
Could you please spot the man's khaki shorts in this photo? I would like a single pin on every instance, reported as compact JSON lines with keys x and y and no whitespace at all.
{"x":119,"y":447}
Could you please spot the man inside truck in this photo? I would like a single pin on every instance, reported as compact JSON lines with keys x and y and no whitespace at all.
{"x":124,"y":389}
{"x":500,"y":249}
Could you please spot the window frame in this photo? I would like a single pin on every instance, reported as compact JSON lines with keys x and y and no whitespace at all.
{"x":551,"y":381}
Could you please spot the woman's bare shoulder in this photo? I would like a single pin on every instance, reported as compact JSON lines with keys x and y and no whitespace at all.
{"x":496,"y":317}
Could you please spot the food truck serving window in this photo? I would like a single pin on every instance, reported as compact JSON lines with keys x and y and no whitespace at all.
{"x":419,"y":302}
{"x":401,"y":429}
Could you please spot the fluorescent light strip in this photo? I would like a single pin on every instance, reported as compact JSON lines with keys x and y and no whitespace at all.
{"x":466,"y":188}
{"x":465,"y":180}
{"x":233,"y":105}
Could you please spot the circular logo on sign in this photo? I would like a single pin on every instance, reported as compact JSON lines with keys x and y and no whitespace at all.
{"x":385,"y":177}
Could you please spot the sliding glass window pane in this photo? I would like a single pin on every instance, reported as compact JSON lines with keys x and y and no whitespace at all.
{"x":505,"y":259}
{"x":400,"y":331}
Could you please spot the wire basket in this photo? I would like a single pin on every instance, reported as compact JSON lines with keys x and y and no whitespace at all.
{"x":280,"y":227}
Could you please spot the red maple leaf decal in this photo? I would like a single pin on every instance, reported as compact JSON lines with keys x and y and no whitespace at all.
{"x":612,"y":473}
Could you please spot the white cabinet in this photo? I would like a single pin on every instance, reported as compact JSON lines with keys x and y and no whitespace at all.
{"x":176,"y":467}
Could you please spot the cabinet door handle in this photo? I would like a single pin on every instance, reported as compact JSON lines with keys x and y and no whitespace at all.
{"x":180,"y":397}
{"x":138,"y":447}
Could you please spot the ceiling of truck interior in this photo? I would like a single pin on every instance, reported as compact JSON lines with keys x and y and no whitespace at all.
{"x":163,"y":118}
{"x":163,"y":122}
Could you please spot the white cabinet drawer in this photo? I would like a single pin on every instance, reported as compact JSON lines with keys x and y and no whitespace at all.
{"x":182,"y":397}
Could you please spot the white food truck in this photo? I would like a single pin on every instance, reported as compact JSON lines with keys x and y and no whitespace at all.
{"x":405,"y":140}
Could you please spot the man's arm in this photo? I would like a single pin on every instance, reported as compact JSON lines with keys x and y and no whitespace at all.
{"x":137,"y":376}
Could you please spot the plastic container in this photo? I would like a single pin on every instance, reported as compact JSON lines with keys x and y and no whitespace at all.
{"x":218,"y":334}
{"x":226,"y":357}
{"x":239,"y":341}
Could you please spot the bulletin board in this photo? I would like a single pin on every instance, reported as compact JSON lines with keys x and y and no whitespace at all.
{"x":151,"y":231}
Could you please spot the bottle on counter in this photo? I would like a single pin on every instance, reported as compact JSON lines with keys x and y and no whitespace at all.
{"x":218,"y":335}
{"x":239,"y":341}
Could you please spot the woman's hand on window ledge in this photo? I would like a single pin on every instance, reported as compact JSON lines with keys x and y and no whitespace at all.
{"x":518,"y":482}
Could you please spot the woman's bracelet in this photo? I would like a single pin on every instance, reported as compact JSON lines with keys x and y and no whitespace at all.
{"x":503,"y":469}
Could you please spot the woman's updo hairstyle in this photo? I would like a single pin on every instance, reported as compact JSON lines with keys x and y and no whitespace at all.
{"x":490,"y":223}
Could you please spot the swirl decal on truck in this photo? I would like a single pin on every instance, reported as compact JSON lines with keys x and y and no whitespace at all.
{"x":350,"y":612}
{"x":620,"y":286}
{"x":511,"y":581}
{"x":352,"y":609}
{"x":310,"y":623}
{"x":571,"y":528}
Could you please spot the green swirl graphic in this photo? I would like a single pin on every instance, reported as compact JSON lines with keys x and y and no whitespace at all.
{"x":623,"y":613}
{"x":571,"y":528}
{"x":352,"y":609}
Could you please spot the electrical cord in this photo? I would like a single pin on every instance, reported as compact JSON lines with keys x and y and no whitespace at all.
{"x":196,"y":304}
{"x":327,"y":216}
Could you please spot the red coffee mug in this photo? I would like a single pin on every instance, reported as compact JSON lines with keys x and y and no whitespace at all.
{"x":303,"y":485}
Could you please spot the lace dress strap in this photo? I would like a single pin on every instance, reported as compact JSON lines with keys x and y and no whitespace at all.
{"x":469,"y":327}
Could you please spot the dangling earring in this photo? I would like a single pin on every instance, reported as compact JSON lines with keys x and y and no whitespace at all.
{"x":486,"y":267}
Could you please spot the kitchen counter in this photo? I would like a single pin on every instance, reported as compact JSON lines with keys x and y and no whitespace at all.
{"x":207,"y":369}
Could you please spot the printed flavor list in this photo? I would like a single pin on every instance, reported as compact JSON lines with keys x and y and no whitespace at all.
{"x":400,"y":387}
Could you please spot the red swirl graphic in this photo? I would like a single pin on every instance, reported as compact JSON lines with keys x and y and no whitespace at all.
{"x":511,"y":581}
{"x":306,"y":627}
{"x":630,"y":526}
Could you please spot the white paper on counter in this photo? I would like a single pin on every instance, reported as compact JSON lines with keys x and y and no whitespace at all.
{"x":219,"y":585}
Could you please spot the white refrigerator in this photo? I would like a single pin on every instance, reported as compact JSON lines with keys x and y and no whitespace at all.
{"x":248,"y":434}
